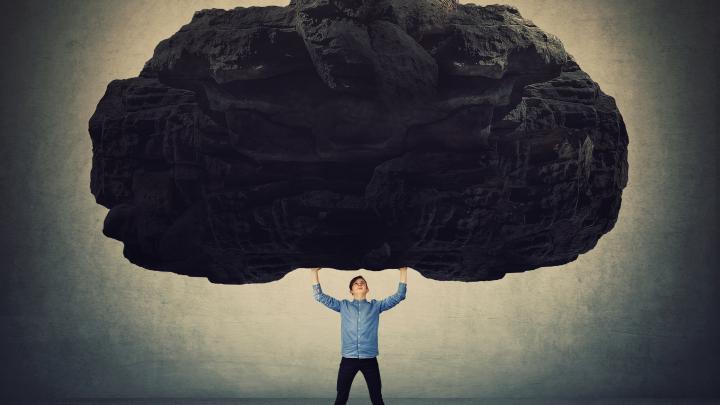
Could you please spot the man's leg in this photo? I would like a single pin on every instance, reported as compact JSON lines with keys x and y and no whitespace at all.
{"x":346,"y":374}
{"x":371,"y":372}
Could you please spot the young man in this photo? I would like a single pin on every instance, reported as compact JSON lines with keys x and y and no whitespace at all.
{"x":359,"y":329}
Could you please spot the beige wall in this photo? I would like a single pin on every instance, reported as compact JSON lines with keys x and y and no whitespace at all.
{"x":633,"y":317}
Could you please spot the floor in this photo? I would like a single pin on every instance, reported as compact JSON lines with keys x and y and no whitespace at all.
{"x":388,"y":401}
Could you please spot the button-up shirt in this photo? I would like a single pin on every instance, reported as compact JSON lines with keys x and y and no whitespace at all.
{"x":359,"y":320}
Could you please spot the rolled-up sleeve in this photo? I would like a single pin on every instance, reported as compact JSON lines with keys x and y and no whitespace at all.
{"x":394,"y":299}
{"x":325,"y":299}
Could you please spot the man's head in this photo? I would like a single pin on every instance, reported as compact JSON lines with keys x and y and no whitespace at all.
{"x":358,"y":287}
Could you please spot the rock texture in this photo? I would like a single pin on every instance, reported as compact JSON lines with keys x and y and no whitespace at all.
{"x":459,"y":140}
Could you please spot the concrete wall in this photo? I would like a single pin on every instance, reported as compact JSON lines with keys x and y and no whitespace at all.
{"x":636,"y":316}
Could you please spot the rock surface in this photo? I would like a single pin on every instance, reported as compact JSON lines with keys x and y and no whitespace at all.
{"x":459,"y":140}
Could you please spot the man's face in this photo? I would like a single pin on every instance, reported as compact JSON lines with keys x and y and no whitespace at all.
{"x":359,"y":286}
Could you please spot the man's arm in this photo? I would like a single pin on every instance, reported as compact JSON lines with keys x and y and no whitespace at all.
{"x":395,"y":299}
{"x":326,"y":300}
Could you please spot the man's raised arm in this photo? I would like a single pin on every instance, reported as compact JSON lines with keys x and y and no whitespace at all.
{"x":395,"y":299}
{"x":326,"y":300}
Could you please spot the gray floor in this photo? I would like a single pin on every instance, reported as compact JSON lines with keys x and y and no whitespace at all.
{"x":388,"y":401}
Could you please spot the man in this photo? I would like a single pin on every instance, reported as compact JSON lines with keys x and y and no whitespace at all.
{"x":359,"y":328}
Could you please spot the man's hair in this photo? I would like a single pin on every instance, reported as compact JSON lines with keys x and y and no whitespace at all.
{"x":355,"y":278}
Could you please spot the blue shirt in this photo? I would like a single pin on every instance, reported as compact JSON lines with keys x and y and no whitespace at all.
{"x":360,"y":319}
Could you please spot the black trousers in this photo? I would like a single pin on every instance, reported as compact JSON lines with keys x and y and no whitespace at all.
{"x":348,"y":368}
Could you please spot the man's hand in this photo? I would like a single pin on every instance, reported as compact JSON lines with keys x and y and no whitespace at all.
{"x":403,"y":274}
{"x":314,"y":272}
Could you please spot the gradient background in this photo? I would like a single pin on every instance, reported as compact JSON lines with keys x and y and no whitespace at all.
{"x":636,"y":316}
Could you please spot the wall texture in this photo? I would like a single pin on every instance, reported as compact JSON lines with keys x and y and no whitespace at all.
{"x":636,"y":316}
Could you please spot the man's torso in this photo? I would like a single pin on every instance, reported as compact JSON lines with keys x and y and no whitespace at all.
{"x":359,"y":328}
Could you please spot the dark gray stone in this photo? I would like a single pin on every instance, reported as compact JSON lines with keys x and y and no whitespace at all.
{"x":459,"y":140}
